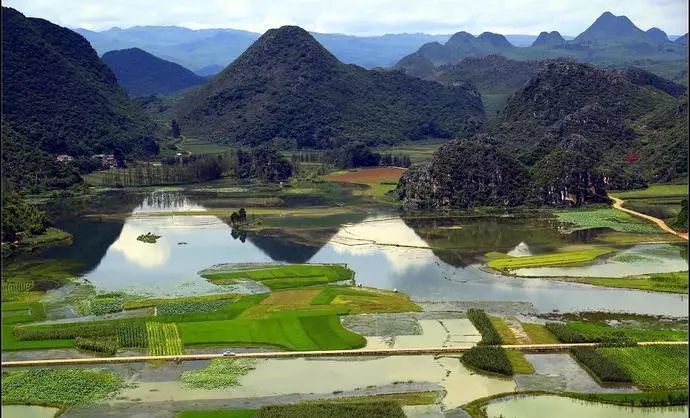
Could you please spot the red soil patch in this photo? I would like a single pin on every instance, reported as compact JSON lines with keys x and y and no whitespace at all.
{"x":368,"y":175}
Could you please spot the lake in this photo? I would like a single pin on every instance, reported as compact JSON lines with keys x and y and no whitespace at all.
{"x":384,"y":250}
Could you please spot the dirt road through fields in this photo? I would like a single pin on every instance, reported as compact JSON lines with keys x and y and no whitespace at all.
{"x":618,"y":204}
{"x":532,"y":348}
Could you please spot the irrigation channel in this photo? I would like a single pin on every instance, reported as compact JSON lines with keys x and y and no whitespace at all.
{"x":533,"y":348}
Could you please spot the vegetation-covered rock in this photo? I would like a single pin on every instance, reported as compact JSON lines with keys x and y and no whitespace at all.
{"x":286,"y":85}
{"x":463,"y":174}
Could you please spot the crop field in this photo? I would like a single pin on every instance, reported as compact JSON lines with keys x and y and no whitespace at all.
{"x":163,"y":339}
{"x":218,"y":413}
{"x":146,"y":303}
{"x":218,"y":373}
{"x":604,"y":368}
{"x":519,"y":363}
{"x":546,"y":260}
{"x":605,"y":217}
{"x":503,"y":330}
{"x":381,"y":409}
{"x":15,"y":290}
{"x":181,"y":308}
{"x":489,"y":359}
{"x":289,"y":331}
{"x":379,"y":180}
{"x":593,"y":331}
{"x":653,"y":367}
{"x":482,"y":322}
{"x":538,"y":334}
{"x":59,"y":387}
{"x":283,"y":276}
{"x":132,"y":335}
{"x":358,"y":301}
{"x":418,"y":151}
{"x":654,"y":190}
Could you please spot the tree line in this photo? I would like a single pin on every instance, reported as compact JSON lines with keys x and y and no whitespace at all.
{"x":261,"y":163}
{"x":352,"y":156}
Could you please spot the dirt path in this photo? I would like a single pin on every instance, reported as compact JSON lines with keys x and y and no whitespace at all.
{"x":530,"y":348}
{"x":618,"y":204}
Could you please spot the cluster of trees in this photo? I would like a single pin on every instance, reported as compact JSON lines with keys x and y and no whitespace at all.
{"x":238,"y":218}
{"x":262,"y":163}
{"x":20,"y":218}
{"x":352,"y":156}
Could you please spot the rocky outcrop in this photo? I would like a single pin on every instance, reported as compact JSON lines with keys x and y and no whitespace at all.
{"x":464,"y":174}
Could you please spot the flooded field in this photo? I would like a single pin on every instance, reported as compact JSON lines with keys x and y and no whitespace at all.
{"x":24,"y":411}
{"x":544,"y":406}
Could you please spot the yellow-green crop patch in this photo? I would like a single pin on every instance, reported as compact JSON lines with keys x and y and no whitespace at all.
{"x":539,"y":334}
{"x":163,"y":339}
{"x":548,"y":260}
{"x":281,"y":276}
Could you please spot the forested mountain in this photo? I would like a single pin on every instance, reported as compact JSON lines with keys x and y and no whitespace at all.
{"x":143,"y":74}
{"x":61,"y":98}
{"x":289,"y":86}
{"x":495,"y":76}
{"x":610,"y":40}
{"x":577,"y":130}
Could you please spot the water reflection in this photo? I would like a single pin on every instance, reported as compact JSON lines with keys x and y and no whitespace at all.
{"x":386,"y":252}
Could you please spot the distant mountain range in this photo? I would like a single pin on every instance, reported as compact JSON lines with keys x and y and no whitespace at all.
{"x":208,"y":51}
{"x":142,"y":74}
{"x":287,"y":86}
{"x":610,"y":40}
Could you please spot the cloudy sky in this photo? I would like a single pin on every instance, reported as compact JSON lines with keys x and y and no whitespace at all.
{"x":360,"y":17}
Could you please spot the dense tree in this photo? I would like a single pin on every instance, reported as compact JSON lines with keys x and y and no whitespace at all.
{"x":19,"y":218}
{"x":175,"y":129}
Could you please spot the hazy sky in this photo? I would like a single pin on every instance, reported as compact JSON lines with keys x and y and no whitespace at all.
{"x":360,"y":17}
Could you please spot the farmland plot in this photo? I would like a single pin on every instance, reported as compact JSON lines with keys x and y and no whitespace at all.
{"x":653,"y":367}
{"x":163,"y":339}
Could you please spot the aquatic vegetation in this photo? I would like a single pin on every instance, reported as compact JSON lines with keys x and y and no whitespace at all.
{"x":281,"y":276}
{"x":601,"y":366}
{"x":490,"y":359}
{"x":163,"y":339}
{"x":547,"y":260}
{"x":219,"y":373}
{"x":604,"y":217}
{"x":482,"y":322}
{"x":653,"y":367}
{"x":59,"y":386}
{"x":539,"y":334}
{"x":148,"y":237}
{"x":381,"y":409}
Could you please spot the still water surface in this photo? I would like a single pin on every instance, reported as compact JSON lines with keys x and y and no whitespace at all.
{"x":384,"y":251}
